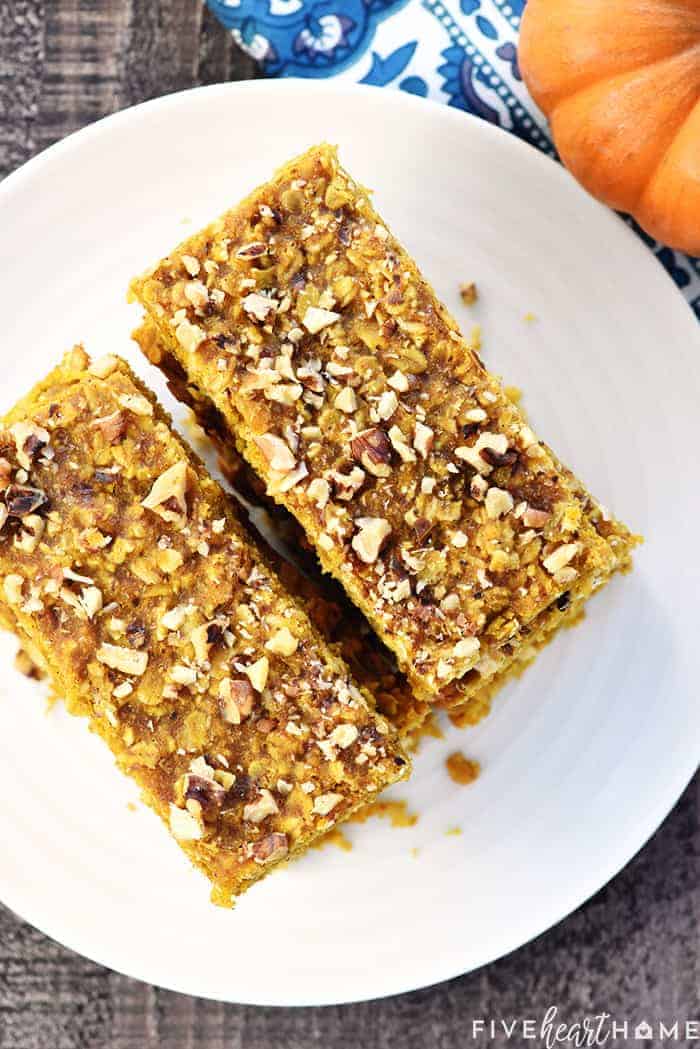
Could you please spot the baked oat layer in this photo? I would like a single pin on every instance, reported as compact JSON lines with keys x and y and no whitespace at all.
{"x":129,"y":579}
{"x":299,"y":328}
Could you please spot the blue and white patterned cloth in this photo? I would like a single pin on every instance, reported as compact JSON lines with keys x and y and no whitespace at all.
{"x":461,"y":52}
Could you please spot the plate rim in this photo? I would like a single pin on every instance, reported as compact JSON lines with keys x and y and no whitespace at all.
{"x":677,"y":780}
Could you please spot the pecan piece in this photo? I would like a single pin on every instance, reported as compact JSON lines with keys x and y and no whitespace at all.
{"x":112,"y":427}
{"x":372,"y":448}
{"x":167,"y":496}
{"x":183,"y":825}
{"x":237,"y":698}
{"x":22,"y":500}
{"x":126,"y":660}
{"x":206,"y":794}
{"x":271,"y":848}
{"x":252,"y":251}
{"x":422,"y":527}
{"x":277,"y":452}
{"x":263,"y":806}
{"x":29,"y":441}
{"x":325,"y":803}
{"x":316,"y":319}
{"x":495,"y":459}
{"x":534,"y":518}
{"x":259,"y":307}
{"x":371,"y":537}
{"x":347,"y":485}
{"x":561,"y":557}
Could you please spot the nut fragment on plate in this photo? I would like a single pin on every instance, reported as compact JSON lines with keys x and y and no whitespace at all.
{"x":157,"y":618}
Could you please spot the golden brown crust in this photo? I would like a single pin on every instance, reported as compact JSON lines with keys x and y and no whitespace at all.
{"x":303,"y":324}
{"x":128,"y":577}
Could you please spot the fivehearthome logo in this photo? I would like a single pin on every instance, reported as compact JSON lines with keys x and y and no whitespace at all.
{"x":602,"y":1028}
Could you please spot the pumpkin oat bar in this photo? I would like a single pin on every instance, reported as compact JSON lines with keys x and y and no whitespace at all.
{"x":300,"y":330}
{"x":128,"y":578}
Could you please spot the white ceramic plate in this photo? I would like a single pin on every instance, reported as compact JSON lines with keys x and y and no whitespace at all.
{"x":582,"y":758}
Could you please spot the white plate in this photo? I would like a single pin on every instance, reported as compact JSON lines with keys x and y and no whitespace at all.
{"x":582,"y":758}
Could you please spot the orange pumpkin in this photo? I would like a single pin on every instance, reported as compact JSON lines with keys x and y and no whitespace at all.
{"x":619,"y":81}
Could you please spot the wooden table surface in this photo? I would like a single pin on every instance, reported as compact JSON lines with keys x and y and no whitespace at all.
{"x":631,"y":951}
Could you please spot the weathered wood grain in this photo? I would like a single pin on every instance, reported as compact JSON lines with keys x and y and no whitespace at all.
{"x":65,"y":63}
{"x":631,"y":951}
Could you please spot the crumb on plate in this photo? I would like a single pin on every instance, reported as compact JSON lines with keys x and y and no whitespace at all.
{"x":468,"y":293}
{"x":461,"y":769}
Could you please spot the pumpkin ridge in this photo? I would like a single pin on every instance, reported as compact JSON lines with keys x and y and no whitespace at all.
{"x":619,"y":81}
{"x":577,"y":66}
{"x":661,"y":177}
{"x":679,"y":128}
{"x":617,"y":75}
{"x":577,"y":116}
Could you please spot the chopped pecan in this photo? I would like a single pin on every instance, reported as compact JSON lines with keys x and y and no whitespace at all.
{"x":422,"y":527}
{"x":22,"y":500}
{"x":112,"y":427}
{"x":30,"y":439}
{"x":271,"y":848}
{"x":260,"y":307}
{"x":372,"y":448}
{"x":167,"y":496}
{"x":277,"y":452}
{"x":264,"y":805}
{"x":534,"y":518}
{"x":560,"y":557}
{"x":498,"y":503}
{"x":495,"y":459}
{"x":124,"y":659}
{"x":319,"y":492}
{"x":257,"y":673}
{"x":325,"y":803}
{"x":32,"y":530}
{"x":183,"y":825}
{"x":207,"y":794}
{"x":252,"y":251}
{"x":344,"y":735}
{"x":282,"y":643}
{"x":400,"y":444}
{"x":423,"y":439}
{"x":347,"y":485}
{"x":136,"y":633}
{"x":315,"y":319}
{"x":387,"y":405}
{"x":370,"y":538}
{"x":346,"y":400}
{"x":237,"y":698}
